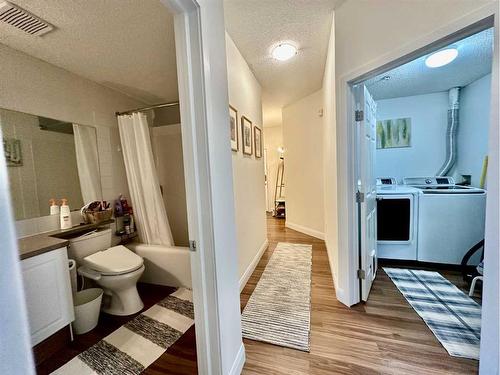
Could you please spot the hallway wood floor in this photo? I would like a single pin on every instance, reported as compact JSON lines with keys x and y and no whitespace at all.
{"x":382,"y":336}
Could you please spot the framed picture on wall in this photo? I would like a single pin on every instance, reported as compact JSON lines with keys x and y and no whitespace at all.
{"x":394,"y":133}
{"x":257,"y":141}
{"x":246,"y":135}
{"x":233,"y":126}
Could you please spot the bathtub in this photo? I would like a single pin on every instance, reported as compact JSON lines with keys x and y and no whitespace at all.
{"x":165,"y":265}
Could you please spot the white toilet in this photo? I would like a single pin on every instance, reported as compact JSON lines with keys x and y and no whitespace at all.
{"x":116,"y":269}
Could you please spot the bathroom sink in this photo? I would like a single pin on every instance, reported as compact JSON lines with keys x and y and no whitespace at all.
{"x":73,"y":233}
{"x":80,"y":230}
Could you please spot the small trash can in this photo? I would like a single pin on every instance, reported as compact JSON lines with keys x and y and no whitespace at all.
{"x":72,"y":275}
{"x":87,"y":307}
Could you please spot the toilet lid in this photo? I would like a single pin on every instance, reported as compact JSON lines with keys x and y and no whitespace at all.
{"x":115,"y":260}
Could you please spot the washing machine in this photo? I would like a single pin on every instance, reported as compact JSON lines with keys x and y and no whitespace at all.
{"x":397,"y":220}
{"x":451,"y":219}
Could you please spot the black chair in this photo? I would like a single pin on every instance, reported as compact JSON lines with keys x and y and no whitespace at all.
{"x":470,"y":272}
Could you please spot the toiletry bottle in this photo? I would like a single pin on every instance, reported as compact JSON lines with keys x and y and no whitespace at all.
{"x":65,"y":215}
{"x":124,"y":203}
{"x":54,"y":208}
{"x":118,"y":207}
{"x":132,"y":223}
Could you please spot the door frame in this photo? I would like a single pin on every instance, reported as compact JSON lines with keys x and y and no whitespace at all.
{"x":346,"y":137}
{"x":203,"y":96}
{"x":348,"y":293}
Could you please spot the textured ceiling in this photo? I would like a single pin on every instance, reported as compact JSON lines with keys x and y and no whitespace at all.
{"x":475,"y":55}
{"x":257,"y":25}
{"x":127,"y":45}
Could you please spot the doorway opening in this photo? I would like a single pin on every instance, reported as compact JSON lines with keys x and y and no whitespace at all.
{"x":420,"y":151}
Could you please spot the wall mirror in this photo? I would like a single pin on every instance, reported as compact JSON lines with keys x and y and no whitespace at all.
{"x":49,"y":159}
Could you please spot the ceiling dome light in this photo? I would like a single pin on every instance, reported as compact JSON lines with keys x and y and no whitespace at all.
{"x":441,"y":58}
{"x":284,"y":51}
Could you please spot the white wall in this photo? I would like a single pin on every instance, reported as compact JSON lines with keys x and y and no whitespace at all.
{"x":368,"y":35}
{"x":33,"y":86}
{"x":273,"y":139}
{"x":303,"y":141}
{"x":474,"y":123}
{"x":490,"y":345}
{"x":248,"y":171}
{"x":330,"y":161}
{"x":428,"y":115}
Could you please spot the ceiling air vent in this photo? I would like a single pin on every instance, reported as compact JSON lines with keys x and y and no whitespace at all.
{"x":23,"y":20}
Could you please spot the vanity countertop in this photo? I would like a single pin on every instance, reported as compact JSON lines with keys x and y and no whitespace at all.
{"x":38,"y":244}
{"x":44,"y":242}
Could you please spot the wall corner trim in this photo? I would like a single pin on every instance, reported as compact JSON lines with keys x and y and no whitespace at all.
{"x":239,"y":361}
{"x":251,"y":267}
{"x":305,"y":230}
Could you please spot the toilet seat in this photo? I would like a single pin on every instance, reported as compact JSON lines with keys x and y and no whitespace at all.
{"x":116,"y":260}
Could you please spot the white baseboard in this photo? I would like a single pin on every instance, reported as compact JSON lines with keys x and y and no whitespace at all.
{"x":305,"y":230}
{"x":239,"y":362}
{"x":251,"y":267}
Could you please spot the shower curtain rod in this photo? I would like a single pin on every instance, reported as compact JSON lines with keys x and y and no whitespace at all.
{"x":161,"y":105}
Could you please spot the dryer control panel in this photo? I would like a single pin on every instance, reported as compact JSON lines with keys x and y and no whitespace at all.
{"x":386,"y":181}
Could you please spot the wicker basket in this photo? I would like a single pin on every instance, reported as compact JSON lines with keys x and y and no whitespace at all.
{"x":96,"y":217}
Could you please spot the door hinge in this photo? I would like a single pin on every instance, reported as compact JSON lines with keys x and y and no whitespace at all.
{"x":192,"y":245}
{"x":360,"y":197}
{"x":359,"y":115}
{"x":361,"y":274}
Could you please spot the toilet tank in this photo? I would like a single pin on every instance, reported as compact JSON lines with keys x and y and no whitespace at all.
{"x":89,"y":243}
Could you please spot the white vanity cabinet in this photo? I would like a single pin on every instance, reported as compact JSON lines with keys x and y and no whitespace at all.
{"x":48,"y":295}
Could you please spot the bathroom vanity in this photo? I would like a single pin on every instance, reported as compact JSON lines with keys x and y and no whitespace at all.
{"x":47,"y":285}
{"x":48,"y":295}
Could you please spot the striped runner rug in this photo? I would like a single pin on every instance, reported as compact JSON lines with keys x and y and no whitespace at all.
{"x":453,"y":317}
{"x":138,"y":343}
{"x":279,"y":309}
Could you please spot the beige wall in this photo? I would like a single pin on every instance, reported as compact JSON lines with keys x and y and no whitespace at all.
{"x":273,"y":139}
{"x":303,"y":141}
{"x":33,"y":86}
{"x":367,"y":29}
{"x":248,"y":172}
{"x":167,"y":147}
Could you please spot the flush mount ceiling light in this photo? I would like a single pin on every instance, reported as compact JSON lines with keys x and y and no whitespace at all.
{"x":441,"y":58}
{"x":284,"y":51}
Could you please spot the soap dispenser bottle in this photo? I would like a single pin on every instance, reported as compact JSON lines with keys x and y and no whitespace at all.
{"x":65,"y":215}
{"x":54,"y":208}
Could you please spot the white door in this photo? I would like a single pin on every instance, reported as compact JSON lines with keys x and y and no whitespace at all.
{"x":366,"y":110}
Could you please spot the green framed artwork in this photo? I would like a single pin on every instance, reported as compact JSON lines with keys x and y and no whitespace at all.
{"x":394,"y":133}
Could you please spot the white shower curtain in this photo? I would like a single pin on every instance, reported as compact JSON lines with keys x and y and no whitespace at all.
{"x":87,"y":160}
{"x":149,"y":209}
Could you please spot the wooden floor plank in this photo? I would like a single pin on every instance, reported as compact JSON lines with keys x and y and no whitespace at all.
{"x":382,"y":336}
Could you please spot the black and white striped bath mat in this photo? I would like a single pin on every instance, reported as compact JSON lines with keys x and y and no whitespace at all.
{"x":279,"y":309}
{"x":453,"y":317}
{"x":138,"y":343}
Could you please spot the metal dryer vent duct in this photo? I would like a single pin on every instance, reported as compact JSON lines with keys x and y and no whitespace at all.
{"x":451,"y":133}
